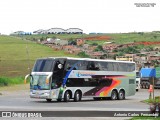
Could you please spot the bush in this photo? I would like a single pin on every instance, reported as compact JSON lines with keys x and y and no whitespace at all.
{"x":4,"y":81}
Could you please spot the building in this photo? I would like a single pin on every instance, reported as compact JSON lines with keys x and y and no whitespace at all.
{"x":21,"y":33}
{"x":74,"y":31}
{"x":40,"y":31}
{"x":80,"y":42}
{"x":56,"y":31}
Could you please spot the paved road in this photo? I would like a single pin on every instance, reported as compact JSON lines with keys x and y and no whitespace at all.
{"x":20,"y":100}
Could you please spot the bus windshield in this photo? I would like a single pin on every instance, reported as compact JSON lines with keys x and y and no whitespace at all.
{"x":39,"y":82}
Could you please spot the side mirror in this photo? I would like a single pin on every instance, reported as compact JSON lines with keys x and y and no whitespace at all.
{"x":25,"y":79}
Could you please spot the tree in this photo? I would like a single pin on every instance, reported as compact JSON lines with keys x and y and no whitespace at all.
{"x":99,"y":48}
{"x":83,"y":54}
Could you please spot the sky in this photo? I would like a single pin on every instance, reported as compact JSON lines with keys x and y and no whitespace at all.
{"x":99,"y":16}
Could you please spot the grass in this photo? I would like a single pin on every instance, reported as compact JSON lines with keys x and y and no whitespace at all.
{"x":152,"y":101}
{"x":14,"y":58}
{"x":5,"y":81}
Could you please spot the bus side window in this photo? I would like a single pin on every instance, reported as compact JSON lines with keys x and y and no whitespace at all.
{"x":92,"y":66}
{"x":110,"y":66}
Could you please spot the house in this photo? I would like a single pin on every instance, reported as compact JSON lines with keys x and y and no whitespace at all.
{"x":68,"y":48}
{"x":75,"y":50}
{"x":109,"y":47}
{"x":80,"y":42}
{"x":60,"y":42}
{"x":154,"y":57}
{"x":96,"y":55}
{"x":124,"y":58}
{"x":74,"y":31}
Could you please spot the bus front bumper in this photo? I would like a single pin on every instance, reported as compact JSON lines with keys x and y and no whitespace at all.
{"x":43,"y":94}
{"x":40,"y":96}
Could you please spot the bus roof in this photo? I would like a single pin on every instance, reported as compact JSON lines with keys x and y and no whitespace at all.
{"x":87,"y":59}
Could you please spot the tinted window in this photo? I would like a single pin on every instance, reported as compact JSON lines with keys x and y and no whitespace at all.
{"x":131,"y":67}
{"x":82,"y":65}
{"x":122,"y":67}
{"x":110,"y":66}
{"x":43,"y":65}
{"x":71,"y":63}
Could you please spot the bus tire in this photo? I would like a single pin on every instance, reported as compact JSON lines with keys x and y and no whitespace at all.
{"x":147,"y":86}
{"x":114,"y":95}
{"x":77,"y":96}
{"x":121,"y":95}
{"x":67,"y":96}
{"x":49,"y":100}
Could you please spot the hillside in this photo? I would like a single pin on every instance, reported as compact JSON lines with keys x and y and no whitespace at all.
{"x":117,"y":38}
{"x":13,"y":55}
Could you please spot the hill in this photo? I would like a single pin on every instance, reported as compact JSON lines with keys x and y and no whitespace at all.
{"x":117,"y":38}
{"x":14,"y":59}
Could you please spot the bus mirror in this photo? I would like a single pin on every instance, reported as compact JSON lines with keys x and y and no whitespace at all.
{"x":25,"y":80}
{"x":60,"y":66}
{"x":47,"y":81}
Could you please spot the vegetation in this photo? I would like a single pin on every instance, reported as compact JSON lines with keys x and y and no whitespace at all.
{"x":118,"y":38}
{"x":83,"y":54}
{"x":14,"y":60}
{"x":99,"y":48}
{"x":5,"y":81}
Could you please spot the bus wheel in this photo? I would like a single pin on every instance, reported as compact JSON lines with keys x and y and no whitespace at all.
{"x":49,"y":100}
{"x":77,"y":96}
{"x":114,"y":95}
{"x":66,"y":96}
{"x":121,"y":95}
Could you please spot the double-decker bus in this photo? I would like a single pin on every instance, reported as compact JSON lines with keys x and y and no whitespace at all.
{"x":67,"y":78}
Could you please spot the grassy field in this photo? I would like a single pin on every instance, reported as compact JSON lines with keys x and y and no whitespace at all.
{"x":118,"y":38}
{"x":14,"y":59}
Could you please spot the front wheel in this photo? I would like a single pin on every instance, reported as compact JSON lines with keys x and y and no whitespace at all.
{"x":49,"y":100}
{"x":114,"y":95}
{"x":66,"y":96}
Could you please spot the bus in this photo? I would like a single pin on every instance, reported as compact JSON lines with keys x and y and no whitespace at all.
{"x":64,"y":78}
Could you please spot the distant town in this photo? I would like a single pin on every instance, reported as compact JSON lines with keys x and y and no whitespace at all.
{"x":143,"y":53}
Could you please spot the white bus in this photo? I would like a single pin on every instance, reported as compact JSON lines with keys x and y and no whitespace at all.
{"x":76,"y":78}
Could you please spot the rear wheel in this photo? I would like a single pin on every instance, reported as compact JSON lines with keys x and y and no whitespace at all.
{"x":121,"y":95}
{"x":49,"y":100}
{"x":67,"y":96}
{"x":77,"y":96}
{"x":114,"y":95}
{"x":147,"y":86}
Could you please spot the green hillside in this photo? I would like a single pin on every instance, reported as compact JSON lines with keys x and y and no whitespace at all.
{"x":118,"y":38}
{"x":14,"y":59}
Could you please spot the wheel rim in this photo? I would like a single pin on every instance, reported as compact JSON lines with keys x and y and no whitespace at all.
{"x":121,"y":95}
{"x":78,"y":96}
{"x":114,"y":96}
{"x":68,"y":97}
